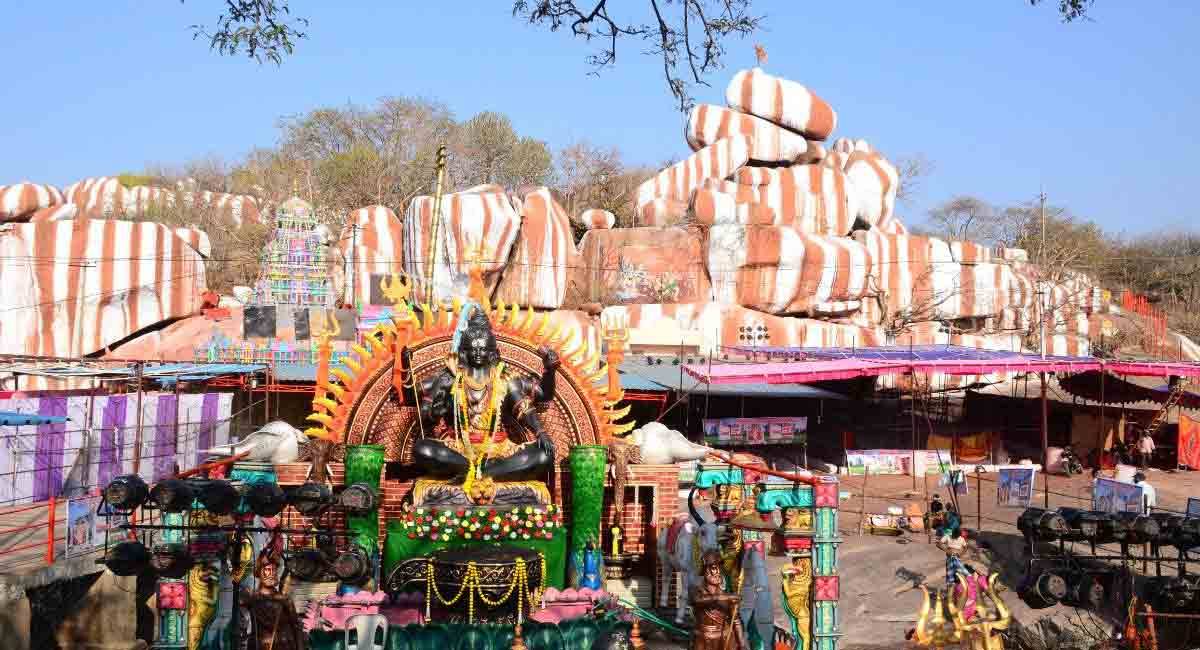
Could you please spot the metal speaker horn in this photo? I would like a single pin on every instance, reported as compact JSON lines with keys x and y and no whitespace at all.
{"x":126,"y":492}
{"x":171,"y":560}
{"x":307,"y":564}
{"x":353,"y":566}
{"x":173,"y":495}
{"x":311,"y":498}
{"x":266,"y":499}
{"x":127,"y":558}
{"x":358,"y":499}
{"x":218,"y":497}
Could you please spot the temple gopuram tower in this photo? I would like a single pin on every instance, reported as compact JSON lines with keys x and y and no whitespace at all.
{"x":295,"y":270}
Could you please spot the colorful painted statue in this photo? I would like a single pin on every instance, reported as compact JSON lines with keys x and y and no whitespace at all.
{"x":204,"y":592}
{"x":796,"y":586}
{"x":591,"y":568}
{"x":717,"y":624}
{"x":274,"y":623}
{"x":470,"y":403}
{"x":681,"y":545}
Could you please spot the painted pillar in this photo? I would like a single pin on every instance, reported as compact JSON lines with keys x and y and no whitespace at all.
{"x":172,"y":594}
{"x":588,"y":463}
{"x":364,"y":464}
{"x":826,"y":627}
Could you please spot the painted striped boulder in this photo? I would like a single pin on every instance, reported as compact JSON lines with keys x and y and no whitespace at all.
{"x":235,"y":209}
{"x":469,"y":220}
{"x":661,"y":213}
{"x":146,"y":200}
{"x":20,"y":200}
{"x":768,"y":142}
{"x":782,"y":270}
{"x":99,"y":198}
{"x":639,"y":265}
{"x":716,"y":161}
{"x":196,"y":239}
{"x":812,"y":198}
{"x":372,"y":244}
{"x":61,"y":212}
{"x":122,"y":277}
{"x":711,"y":206}
{"x":781,"y":101}
{"x":711,"y":326}
{"x":537,"y":270}
{"x":872,"y":182}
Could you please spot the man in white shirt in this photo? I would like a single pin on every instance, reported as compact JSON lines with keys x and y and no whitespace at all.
{"x":1148,"y":494}
{"x":1145,"y":449}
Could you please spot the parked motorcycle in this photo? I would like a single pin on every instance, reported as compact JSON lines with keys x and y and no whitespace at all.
{"x":1070,"y":462}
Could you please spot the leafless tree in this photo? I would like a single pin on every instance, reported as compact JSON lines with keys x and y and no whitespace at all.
{"x":964,"y":217}
{"x":913,"y":170}
{"x":688,"y":35}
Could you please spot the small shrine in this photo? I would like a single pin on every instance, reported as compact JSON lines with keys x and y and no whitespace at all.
{"x":295,"y":268}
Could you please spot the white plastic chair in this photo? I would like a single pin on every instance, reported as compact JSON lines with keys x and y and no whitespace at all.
{"x":366,"y":632}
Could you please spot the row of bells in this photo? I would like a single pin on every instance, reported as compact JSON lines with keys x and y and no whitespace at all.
{"x":1077,"y":525}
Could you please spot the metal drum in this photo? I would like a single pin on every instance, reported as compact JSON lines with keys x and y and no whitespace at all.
{"x":1046,"y":590}
{"x":1041,"y":524}
{"x":495,"y":566}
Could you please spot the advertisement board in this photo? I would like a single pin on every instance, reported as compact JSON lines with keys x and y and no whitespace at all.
{"x":1015,"y":487}
{"x":1109,"y":495}
{"x":756,"y":431}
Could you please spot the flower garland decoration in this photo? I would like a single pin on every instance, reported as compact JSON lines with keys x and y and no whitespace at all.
{"x":491,"y":419}
{"x":483,"y":524}
{"x":472,"y":588}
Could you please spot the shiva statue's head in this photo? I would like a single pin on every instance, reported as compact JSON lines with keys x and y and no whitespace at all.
{"x":477,"y":348}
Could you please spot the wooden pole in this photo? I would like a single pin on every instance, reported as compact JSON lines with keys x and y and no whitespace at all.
{"x":862,"y":517}
{"x":1103,"y":435}
{"x":137,"y":434}
{"x":978,"y":499}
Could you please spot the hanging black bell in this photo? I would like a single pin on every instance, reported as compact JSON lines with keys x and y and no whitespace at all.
{"x":171,"y":560}
{"x":126,"y":492}
{"x":358,"y":499}
{"x":266,"y":499}
{"x":353,"y":566}
{"x":311,"y":498}
{"x":173,"y":495}
{"x":218,"y":497}
{"x":127,"y":558}
{"x":1046,"y":590}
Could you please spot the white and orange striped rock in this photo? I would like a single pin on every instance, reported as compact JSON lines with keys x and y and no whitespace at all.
{"x":768,"y":142}
{"x":372,"y":243}
{"x":711,"y":326}
{"x":597,"y":219}
{"x":712,"y":206}
{"x":781,"y":270}
{"x":99,"y":198}
{"x":891,"y":225}
{"x":82,"y":285}
{"x":61,"y":212}
{"x":661,"y":213}
{"x":20,"y":200}
{"x":236,"y":209}
{"x":716,"y":161}
{"x":812,"y":198}
{"x":872,"y":183}
{"x":639,"y":265}
{"x":781,"y":101}
{"x":537,"y":270}
{"x":196,"y":239}
{"x":468,"y":220}
{"x":145,"y":200}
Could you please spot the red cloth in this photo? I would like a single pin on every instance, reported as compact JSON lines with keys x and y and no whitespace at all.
{"x":1189,"y":442}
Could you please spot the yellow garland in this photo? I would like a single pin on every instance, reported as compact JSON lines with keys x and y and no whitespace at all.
{"x":463,"y":422}
{"x":472,"y":587}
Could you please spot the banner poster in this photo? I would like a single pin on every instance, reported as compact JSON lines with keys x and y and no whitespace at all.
{"x":81,"y":526}
{"x":877,"y":461}
{"x":1015,"y":487}
{"x":755,"y":431}
{"x":959,"y":478}
{"x":1189,"y":442}
{"x":1114,"y":496}
{"x":1193,"y":507}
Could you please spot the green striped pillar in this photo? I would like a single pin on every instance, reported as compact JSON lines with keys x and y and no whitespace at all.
{"x":826,"y":587}
{"x":364,"y":464}
{"x":588,"y":463}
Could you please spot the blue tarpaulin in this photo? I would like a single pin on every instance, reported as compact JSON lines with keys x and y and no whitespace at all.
{"x":13,"y":419}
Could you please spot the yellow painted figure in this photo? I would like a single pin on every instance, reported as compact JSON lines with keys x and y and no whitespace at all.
{"x":797,"y":599}
{"x":204,"y":592}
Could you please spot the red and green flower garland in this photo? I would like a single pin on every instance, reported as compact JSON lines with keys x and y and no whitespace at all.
{"x":486,"y":524}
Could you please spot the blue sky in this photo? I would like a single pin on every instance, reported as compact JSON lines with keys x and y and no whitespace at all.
{"x":1001,"y":96}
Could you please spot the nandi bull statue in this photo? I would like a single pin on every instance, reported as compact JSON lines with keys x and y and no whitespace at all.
{"x":681,"y":545}
{"x":662,"y":446}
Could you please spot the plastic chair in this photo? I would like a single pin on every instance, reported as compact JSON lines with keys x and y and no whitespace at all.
{"x":366,"y":632}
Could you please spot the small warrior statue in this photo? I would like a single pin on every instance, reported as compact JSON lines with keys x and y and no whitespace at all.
{"x":274,"y":624}
{"x":717,"y":624}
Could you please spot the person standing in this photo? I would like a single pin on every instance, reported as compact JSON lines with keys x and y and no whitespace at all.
{"x":1145,"y":449}
{"x":1149,"y":496}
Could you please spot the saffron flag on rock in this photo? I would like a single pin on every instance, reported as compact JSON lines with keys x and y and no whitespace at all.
{"x":1189,"y":442}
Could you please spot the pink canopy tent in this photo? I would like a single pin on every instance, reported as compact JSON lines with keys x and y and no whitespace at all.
{"x":1153,"y":368}
{"x":792,"y":373}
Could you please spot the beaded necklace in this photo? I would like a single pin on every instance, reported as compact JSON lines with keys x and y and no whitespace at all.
{"x":491,"y":421}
